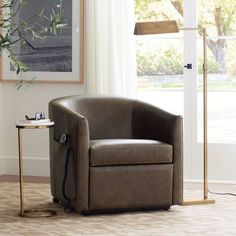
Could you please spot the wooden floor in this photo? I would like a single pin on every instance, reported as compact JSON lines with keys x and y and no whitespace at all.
{"x":27,"y":179}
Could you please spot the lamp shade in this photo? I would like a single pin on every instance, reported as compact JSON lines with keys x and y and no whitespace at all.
{"x":156,"y":27}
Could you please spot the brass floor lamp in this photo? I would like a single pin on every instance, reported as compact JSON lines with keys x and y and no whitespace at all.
{"x":163,"y":27}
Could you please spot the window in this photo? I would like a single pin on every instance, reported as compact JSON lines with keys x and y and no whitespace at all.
{"x":160,"y":58}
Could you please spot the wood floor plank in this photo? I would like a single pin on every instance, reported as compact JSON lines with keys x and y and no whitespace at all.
{"x":27,"y":179}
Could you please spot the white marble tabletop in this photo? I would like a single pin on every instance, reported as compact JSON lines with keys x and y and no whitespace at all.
{"x":34,"y":123}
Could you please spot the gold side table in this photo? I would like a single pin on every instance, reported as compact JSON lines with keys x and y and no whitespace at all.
{"x":20,"y":125}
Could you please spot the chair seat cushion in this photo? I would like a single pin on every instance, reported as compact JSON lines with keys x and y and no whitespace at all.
{"x":108,"y":152}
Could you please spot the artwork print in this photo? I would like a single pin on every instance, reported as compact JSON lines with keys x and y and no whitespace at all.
{"x":58,"y":58}
{"x":54,"y":53}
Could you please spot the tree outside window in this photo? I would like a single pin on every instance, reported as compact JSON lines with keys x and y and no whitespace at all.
{"x":219,"y":17}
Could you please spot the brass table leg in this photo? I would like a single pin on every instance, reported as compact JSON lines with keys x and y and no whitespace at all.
{"x":33,"y":213}
{"x":21,"y":213}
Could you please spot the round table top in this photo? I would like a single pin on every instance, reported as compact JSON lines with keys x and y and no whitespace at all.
{"x":34,"y":124}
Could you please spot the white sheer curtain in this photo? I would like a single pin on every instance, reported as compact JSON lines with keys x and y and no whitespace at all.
{"x":110,"y":66}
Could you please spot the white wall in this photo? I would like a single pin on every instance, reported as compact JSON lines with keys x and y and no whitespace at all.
{"x":18,"y":103}
{"x":1,"y":130}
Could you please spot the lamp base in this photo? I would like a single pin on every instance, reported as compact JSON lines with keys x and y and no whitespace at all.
{"x":38,"y":213}
{"x":198,"y":202}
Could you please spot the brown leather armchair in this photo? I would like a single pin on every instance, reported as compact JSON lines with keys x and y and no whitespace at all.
{"x":125,"y":154}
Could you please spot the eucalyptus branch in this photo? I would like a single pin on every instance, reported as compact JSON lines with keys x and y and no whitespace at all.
{"x":9,"y":5}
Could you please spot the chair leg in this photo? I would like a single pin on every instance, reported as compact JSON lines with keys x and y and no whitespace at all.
{"x":166,"y":208}
{"x":55,"y":200}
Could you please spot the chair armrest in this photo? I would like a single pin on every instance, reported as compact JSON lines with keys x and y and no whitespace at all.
{"x":76,"y":128}
{"x":149,"y":122}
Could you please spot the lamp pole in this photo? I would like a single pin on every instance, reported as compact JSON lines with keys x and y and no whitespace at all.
{"x":205,"y":199}
{"x":205,"y":115}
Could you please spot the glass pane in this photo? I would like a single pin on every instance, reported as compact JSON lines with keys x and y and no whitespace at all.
{"x":218,"y":17}
{"x":221,"y":92}
{"x":161,"y":10}
{"x":160,"y":72}
{"x":160,"y":58}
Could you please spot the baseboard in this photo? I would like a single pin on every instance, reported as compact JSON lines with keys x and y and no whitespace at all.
{"x":2,"y":166}
{"x":210,"y":181}
{"x":32,"y":166}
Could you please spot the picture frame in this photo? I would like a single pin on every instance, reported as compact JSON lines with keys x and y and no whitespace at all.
{"x":42,"y":72}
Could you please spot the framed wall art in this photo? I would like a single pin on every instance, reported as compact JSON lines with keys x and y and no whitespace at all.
{"x":58,"y":58}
